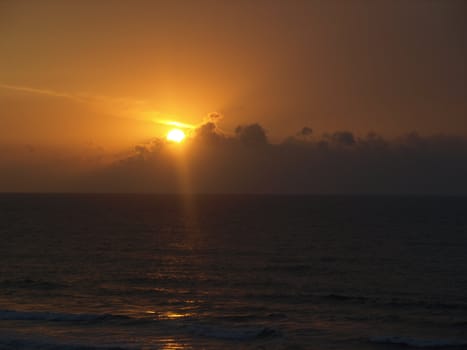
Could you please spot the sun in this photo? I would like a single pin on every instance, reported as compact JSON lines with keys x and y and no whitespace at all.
{"x":176,"y":135}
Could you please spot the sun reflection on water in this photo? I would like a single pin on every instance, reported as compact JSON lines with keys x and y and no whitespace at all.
{"x":172,"y":344}
{"x":174,"y":315}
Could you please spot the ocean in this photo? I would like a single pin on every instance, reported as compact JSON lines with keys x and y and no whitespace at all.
{"x":232,"y":272}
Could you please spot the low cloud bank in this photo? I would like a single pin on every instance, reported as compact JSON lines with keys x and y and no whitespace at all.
{"x":245,"y":161}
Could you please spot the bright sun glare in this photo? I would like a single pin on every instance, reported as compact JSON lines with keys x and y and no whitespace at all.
{"x":176,"y":135}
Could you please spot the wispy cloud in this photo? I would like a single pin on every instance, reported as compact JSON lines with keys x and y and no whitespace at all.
{"x":175,"y":123}
{"x":121,"y":107}
{"x":81,"y":97}
{"x":46,"y":92}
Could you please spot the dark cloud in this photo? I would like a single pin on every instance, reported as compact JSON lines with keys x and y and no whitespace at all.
{"x":214,"y":161}
{"x":214,"y":117}
{"x":342,"y":138}
{"x":245,"y":162}
{"x":251,"y":135}
{"x":209,"y":133}
{"x":306,"y":131}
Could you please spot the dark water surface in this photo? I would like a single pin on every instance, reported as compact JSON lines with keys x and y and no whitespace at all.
{"x":232,"y":272}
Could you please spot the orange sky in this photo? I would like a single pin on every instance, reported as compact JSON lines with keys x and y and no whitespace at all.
{"x":77,"y":71}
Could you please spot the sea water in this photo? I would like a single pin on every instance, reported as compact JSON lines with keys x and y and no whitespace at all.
{"x":232,"y":272}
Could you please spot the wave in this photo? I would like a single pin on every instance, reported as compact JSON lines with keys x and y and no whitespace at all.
{"x":369,"y":300}
{"x":12,"y":342}
{"x":298,"y":268}
{"x":11,"y":315}
{"x":191,"y":326}
{"x":391,"y":302}
{"x":32,"y":284}
{"x":233,"y":333}
{"x":344,"y":297}
{"x":419,"y":342}
{"x":424,"y":304}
